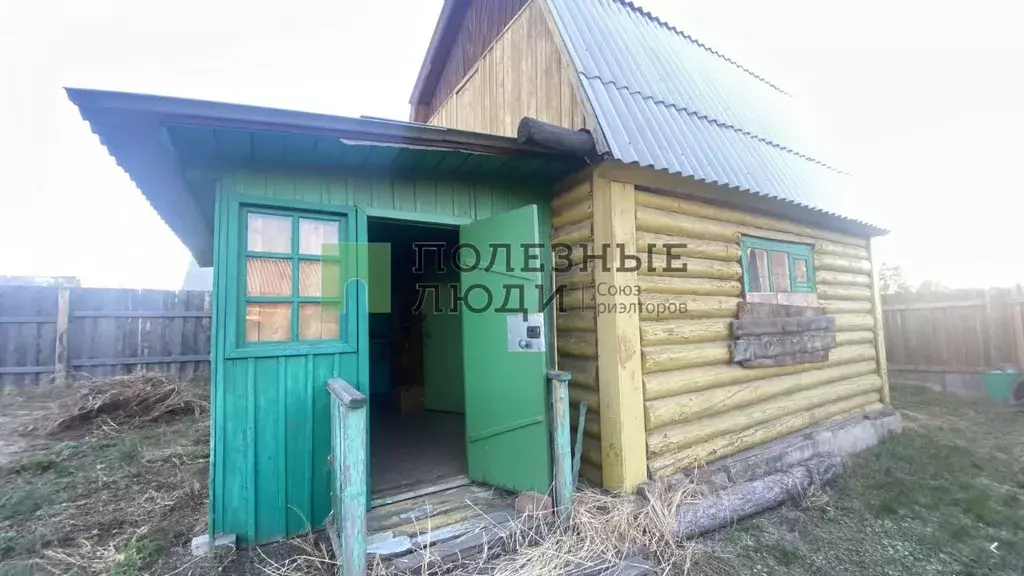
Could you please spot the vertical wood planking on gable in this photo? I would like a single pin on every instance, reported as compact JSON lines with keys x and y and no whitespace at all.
{"x":524,"y":73}
{"x":483,"y":23}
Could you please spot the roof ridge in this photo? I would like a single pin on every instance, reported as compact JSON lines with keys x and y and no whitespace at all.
{"x":640,"y":10}
{"x":711,"y":119}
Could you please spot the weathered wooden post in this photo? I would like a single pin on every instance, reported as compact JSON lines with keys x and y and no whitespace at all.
{"x":562,"y":440}
{"x":347,"y":529}
{"x":60,"y":353}
{"x":578,"y":452}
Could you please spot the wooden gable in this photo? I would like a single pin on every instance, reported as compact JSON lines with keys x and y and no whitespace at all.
{"x":522,"y":71}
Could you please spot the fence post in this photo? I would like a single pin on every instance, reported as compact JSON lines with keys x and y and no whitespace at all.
{"x":348,"y":489}
{"x":60,"y":353}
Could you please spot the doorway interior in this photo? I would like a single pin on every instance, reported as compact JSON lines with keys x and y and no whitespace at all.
{"x":417,"y":394}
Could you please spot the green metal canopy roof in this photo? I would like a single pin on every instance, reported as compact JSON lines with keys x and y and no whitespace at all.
{"x":173,"y":147}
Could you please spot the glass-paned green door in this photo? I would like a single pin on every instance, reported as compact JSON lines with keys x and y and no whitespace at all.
{"x":290,"y":316}
{"x":506,"y":408}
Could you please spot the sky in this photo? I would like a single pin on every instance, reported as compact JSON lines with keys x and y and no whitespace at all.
{"x":921,"y":100}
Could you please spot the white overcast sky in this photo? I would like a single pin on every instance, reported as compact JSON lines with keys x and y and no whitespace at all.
{"x":925,"y":101}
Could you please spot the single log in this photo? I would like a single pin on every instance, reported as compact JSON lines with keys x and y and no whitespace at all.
{"x":687,"y":380}
{"x":678,"y":436}
{"x":850,"y":322}
{"x":572,"y":196}
{"x":660,"y":243}
{"x":691,"y":286}
{"x":742,"y":217}
{"x":579,"y":298}
{"x":579,"y":394}
{"x":574,"y":214}
{"x":791,"y":359}
{"x":582,"y":344}
{"x":842,"y":264}
{"x":841,"y":278}
{"x":574,"y":234}
{"x":748,"y":498}
{"x":729,"y":444}
{"x":706,"y":403}
{"x":575,"y":321}
{"x":659,"y":265}
{"x":775,"y":345}
{"x":583,"y":370}
{"x":672,"y":357}
{"x":761,"y":310}
{"x":846,"y":306}
{"x":859,"y":337}
{"x":653,"y":333}
{"x":577,"y":277}
{"x":828,"y":292}
{"x":553,"y":137}
{"x":764,"y":326}
{"x":666,"y":307}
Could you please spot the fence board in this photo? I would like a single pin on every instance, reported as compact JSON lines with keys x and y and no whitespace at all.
{"x":957,"y":331}
{"x":110,"y":332}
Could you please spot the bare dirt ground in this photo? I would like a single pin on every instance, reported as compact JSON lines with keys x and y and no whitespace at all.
{"x":123,"y":491}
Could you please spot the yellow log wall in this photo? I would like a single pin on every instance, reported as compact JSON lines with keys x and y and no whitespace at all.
{"x":576,"y":330}
{"x":698,"y":406}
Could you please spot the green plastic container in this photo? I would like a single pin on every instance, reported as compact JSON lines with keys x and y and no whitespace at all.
{"x":999,"y":386}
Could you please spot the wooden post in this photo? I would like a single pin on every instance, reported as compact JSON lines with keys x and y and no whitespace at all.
{"x":578,"y":453}
{"x":348,"y":490}
{"x":562,"y":439}
{"x":623,"y":432}
{"x":883,"y":368}
{"x":60,"y":355}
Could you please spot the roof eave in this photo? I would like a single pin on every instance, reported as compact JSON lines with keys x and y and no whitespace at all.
{"x":440,"y":43}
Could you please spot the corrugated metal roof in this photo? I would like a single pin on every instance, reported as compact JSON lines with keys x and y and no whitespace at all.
{"x":665,"y":100}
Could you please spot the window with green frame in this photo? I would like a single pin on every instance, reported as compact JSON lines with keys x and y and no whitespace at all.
{"x":774,"y":266}
{"x":292,"y":277}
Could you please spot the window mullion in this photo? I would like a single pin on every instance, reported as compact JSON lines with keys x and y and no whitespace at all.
{"x":295,"y":278}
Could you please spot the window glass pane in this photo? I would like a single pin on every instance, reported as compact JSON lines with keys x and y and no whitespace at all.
{"x":757,"y":264}
{"x":320,"y":278}
{"x":319,"y":322}
{"x":268,"y":322}
{"x":780,"y":271}
{"x":313,"y":234}
{"x":311,"y":278}
{"x":800,"y":270}
{"x":268,"y":277}
{"x":269,"y":233}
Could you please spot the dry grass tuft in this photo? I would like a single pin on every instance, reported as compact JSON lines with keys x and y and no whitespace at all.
{"x":130,"y":400}
{"x":607,"y":530}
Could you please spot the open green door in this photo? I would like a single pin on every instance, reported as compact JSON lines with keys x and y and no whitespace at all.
{"x":504,"y":355}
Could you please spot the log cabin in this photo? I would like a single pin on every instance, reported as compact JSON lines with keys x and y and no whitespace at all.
{"x":705,"y":282}
{"x":696,"y":153}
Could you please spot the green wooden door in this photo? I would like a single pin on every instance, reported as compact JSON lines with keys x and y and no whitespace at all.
{"x":506,"y":415}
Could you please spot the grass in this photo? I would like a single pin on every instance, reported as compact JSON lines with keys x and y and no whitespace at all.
{"x":932,"y":501}
{"x":105,"y":496}
{"x":124,"y":496}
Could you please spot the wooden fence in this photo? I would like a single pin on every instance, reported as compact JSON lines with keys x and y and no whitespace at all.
{"x":962,"y":331}
{"x":50,"y":333}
